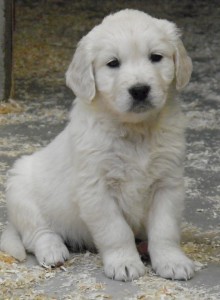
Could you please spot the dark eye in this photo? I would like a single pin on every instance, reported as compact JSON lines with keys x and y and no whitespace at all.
{"x":156,"y":57}
{"x":114,"y":63}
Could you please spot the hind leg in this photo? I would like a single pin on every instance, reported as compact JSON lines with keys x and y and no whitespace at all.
{"x":36,"y":234}
{"x":48,"y":247}
{"x":45,"y":244}
{"x":11,"y":243}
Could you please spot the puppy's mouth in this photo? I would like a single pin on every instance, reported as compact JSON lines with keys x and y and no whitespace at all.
{"x":140,"y":107}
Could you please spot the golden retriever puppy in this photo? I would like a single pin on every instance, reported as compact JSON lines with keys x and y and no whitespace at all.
{"x":116,"y":171}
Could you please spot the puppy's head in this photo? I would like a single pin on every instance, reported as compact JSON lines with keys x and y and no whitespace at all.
{"x":129,"y":62}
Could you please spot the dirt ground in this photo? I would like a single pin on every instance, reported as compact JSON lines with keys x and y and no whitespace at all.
{"x":45,"y":38}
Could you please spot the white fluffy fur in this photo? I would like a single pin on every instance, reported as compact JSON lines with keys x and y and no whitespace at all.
{"x":112,"y":174}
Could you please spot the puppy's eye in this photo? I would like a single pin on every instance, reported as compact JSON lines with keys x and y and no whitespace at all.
{"x":114,"y":63}
{"x":156,"y":57}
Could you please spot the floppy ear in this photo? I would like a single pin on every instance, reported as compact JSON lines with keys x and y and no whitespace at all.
{"x":183,"y":65}
{"x":79,"y":76}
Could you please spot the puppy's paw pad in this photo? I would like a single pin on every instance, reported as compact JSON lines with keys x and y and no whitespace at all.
{"x":175,"y":269}
{"x":125,"y":270}
{"x":51,"y":252}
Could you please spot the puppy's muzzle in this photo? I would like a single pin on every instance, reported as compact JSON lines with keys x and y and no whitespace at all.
{"x":139,"y":92}
{"x":140,"y":97}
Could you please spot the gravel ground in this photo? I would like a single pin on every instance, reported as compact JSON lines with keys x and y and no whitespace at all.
{"x":45,"y":39}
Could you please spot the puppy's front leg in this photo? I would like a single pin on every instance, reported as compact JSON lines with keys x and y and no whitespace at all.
{"x":167,"y":258}
{"x":114,"y":239}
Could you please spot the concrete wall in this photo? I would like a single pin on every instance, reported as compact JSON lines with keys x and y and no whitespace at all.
{"x":5,"y":48}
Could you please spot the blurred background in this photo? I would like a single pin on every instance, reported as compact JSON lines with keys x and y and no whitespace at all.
{"x":47,"y":31}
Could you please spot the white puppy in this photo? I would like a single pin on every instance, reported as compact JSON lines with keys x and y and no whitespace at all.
{"x":116,"y":171}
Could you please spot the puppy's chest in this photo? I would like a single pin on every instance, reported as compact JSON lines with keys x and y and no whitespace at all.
{"x":128,"y":177}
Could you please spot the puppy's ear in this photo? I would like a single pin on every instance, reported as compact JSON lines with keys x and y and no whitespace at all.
{"x":183,"y":65}
{"x":79,"y":76}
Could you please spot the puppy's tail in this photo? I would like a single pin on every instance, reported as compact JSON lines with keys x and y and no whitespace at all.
{"x":11,"y":243}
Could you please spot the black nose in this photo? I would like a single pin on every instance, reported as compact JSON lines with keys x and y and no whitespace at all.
{"x":139,"y":92}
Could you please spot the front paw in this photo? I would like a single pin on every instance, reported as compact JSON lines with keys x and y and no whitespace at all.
{"x":172,"y":263}
{"x":122,"y":267}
